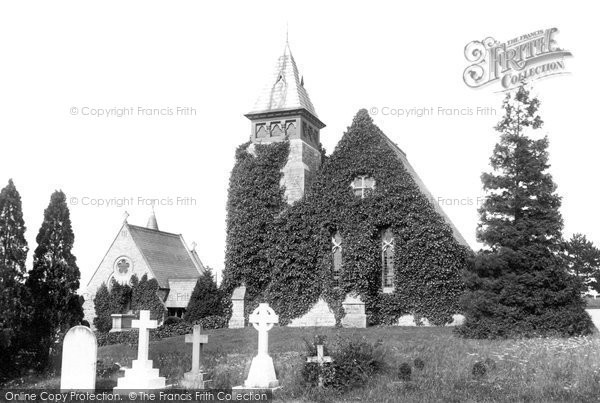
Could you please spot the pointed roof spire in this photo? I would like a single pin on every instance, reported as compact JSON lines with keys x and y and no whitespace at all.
{"x":285,"y":90}
{"x":152,"y":223}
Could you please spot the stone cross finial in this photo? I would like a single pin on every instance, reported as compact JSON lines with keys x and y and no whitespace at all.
{"x":144,"y":323}
{"x":198,"y":340}
{"x":263,"y":318}
{"x":320,"y":359}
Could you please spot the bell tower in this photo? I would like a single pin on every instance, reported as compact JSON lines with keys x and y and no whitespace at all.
{"x":283,"y":111}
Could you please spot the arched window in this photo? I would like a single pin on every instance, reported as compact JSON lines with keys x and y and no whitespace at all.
{"x":387,"y":260}
{"x":336,"y":258}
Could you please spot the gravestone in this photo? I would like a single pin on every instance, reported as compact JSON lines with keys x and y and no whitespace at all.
{"x":142,"y":375}
{"x":195,"y":378}
{"x":320,"y":359}
{"x":262,"y":372}
{"x":237,"y":309}
{"x":355,"y":312}
{"x":121,"y":322}
{"x":79,"y":357}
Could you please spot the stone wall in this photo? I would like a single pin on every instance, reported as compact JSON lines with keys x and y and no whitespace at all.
{"x":302,"y":164}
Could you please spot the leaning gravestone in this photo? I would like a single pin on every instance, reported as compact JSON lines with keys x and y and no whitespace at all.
{"x":237,"y":308}
{"x":355,"y":312}
{"x":142,"y":375}
{"x":79,"y":355}
{"x":262,"y":372}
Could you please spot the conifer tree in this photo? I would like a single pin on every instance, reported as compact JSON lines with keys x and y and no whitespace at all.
{"x":518,"y":286}
{"x":583,"y":259}
{"x":54,"y":279}
{"x":206,"y":300}
{"x":13,"y":252}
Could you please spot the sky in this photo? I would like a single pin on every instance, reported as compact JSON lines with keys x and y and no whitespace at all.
{"x":206,"y":62}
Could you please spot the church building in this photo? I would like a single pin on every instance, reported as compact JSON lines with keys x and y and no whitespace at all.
{"x":357,"y":232}
{"x":161,"y":255}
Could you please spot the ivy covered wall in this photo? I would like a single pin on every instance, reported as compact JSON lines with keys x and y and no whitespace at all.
{"x":284,"y":253}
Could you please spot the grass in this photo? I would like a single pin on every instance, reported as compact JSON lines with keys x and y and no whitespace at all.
{"x":533,"y":370}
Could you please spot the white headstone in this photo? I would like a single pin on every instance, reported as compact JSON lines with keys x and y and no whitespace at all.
{"x":262,"y":372}
{"x":79,"y":357}
{"x":142,"y":375}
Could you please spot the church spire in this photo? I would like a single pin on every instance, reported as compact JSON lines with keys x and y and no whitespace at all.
{"x":152,"y":223}
{"x":285,"y":90}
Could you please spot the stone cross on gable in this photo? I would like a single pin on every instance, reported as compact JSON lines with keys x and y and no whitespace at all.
{"x":320,"y":359}
{"x":144,"y":323}
{"x":263,"y":318}
{"x":197,"y":340}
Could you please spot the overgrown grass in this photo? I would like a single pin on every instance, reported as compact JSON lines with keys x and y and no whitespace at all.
{"x":537,"y":370}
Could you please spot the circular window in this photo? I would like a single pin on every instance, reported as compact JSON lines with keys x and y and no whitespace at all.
{"x":123,"y":269}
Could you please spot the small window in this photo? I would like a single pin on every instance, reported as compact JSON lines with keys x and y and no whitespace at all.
{"x":336,"y":258}
{"x":387,"y":260}
{"x":361,"y":185}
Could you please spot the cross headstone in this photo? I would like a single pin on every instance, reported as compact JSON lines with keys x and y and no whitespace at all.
{"x":195,"y":378}
{"x":144,"y":323}
{"x":79,"y":360}
{"x":320,"y":359}
{"x":142,"y":375}
{"x":262,"y":372}
{"x":198,"y":340}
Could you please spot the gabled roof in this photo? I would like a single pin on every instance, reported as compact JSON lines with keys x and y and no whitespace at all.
{"x":411,"y":171}
{"x":166,"y":254}
{"x":285,"y":91}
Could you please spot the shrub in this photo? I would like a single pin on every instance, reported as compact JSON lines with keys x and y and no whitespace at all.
{"x":171,"y":320}
{"x":354,"y":362}
{"x":479,"y":370}
{"x":404,"y":371}
{"x":206,"y":300}
{"x":144,"y":296}
{"x":419,"y":364}
{"x":130,"y":337}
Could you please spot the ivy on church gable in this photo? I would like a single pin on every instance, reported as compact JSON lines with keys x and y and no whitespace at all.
{"x":297,"y":255}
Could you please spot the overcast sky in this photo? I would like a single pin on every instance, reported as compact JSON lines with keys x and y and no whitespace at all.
{"x":216,"y":56}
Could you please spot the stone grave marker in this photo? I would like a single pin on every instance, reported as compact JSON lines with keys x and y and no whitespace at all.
{"x":262,"y":372}
{"x":355,"y":312}
{"x":142,"y":375}
{"x":195,"y":378}
{"x":79,"y":356}
{"x":237,"y":309}
{"x":320,"y":359}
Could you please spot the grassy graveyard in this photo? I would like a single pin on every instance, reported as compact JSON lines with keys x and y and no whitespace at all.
{"x":454,"y":369}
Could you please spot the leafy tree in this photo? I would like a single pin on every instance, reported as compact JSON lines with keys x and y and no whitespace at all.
{"x":54,"y":280}
{"x":13,"y":252}
{"x":518,"y":285}
{"x":206,"y":300}
{"x":144,"y":295}
{"x":583,"y":259}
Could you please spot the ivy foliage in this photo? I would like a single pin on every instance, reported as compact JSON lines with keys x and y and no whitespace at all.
{"x":255,"y":199}
{"x":295,"y":260}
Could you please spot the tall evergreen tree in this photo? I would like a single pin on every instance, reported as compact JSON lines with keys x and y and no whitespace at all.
{"x":54,"y":279}
{"x":13,"y":253}
{"x":519,"y":286}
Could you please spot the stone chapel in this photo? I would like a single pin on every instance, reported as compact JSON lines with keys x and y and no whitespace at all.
{"x":284,"y":112}
{"x":158,"y":254}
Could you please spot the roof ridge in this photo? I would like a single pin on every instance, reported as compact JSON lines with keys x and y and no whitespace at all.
{"x":154,"y":230}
